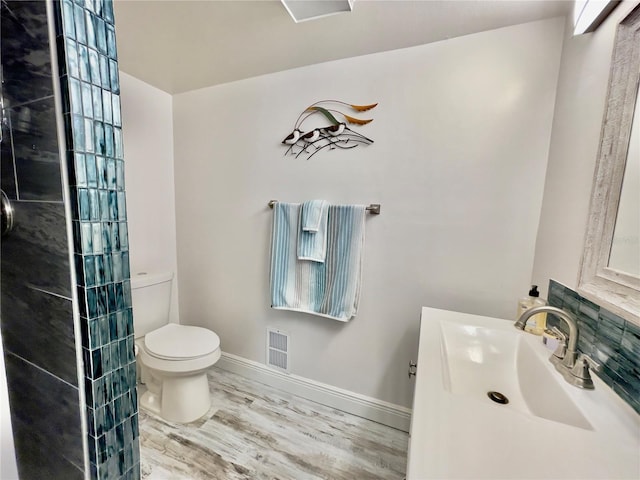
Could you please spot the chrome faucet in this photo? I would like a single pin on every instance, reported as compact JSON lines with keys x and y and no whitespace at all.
{"x":573,"y":367}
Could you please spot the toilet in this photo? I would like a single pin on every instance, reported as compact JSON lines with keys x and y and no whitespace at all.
{"x":173,"y":358}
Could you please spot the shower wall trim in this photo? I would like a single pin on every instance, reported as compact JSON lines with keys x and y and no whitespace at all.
{"x":62,"y":147}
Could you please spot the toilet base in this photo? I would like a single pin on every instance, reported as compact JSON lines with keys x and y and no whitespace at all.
{"x":178,"y":390}
{"x":151,"y":402}
{"x":179,"y":399}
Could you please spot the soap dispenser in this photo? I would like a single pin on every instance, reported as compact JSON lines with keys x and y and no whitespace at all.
{"x":537,"y":323}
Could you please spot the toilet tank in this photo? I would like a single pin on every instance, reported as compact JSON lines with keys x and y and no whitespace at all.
{"x":151,"y":298}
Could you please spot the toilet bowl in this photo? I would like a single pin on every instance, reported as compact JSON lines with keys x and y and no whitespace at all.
{"x":176,"y":359}
{"x":173,"y":358}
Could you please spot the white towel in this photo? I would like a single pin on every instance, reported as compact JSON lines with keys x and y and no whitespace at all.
{"x":312,"y":234}
{"x":330,"y":289}
{"x":314,"y":212}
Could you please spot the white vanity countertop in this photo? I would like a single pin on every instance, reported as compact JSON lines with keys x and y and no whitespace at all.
{"x":461,"y":435}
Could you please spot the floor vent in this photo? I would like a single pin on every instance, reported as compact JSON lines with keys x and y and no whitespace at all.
{"x":278,"y":349}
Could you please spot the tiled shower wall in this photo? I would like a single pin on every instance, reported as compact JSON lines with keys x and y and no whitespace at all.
{"x":607,"y":338}
{"x":88,"y":70}
{"x":37,"y":318}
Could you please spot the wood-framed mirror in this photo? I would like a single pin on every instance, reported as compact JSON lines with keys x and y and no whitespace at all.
{"x":610,"y":271}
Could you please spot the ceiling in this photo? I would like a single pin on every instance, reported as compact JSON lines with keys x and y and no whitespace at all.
{"x":182,"y":45}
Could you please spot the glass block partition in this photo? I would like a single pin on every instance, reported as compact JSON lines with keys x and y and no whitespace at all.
{"x":88,"y":68}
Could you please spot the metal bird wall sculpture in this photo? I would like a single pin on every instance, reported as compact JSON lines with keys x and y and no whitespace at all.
{"x":336,"y":135}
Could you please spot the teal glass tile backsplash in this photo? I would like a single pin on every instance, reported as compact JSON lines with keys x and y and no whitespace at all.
{"x":91,"y":104}
{"x":607,"y":338}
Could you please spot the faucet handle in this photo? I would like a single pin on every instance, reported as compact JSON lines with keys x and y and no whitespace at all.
{"x":561,"y":350}
{"x":581,"y":371}
{"x":561,"y":336}
{"x":595,"y":366}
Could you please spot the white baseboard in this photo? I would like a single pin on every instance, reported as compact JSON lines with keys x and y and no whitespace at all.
{"x":370,"y":408}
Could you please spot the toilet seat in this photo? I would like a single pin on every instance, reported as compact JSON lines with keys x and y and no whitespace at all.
{"x":181,"y":342}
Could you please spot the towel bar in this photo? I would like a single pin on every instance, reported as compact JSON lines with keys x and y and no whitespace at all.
{"x":373,"y":209}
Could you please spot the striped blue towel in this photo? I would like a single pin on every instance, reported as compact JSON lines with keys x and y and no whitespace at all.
{"x":314,"y":212}
{"x":312,"y":235}
{"x":330,"y":289}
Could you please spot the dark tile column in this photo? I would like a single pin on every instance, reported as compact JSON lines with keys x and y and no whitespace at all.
{"x":36,"y":317}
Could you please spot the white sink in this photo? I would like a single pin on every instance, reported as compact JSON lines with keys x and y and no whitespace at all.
{"x":548,"y":428}
{"x":478,"y":359}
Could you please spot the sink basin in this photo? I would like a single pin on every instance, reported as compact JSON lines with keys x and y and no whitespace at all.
{"x":481,"y":359}
{"x":547,"y":430}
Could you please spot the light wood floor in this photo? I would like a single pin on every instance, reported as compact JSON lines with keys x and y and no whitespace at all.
{"x":253,"y":431}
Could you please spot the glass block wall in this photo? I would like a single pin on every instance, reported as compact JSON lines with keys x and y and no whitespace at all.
{"x":88,"y":69}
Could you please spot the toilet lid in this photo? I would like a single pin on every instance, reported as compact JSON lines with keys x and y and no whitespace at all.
{"x":175,"y":341}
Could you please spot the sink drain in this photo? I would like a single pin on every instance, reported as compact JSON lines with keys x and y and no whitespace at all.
{"x":498,"y":397}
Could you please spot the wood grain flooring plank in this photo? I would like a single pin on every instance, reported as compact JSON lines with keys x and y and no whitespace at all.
{"x":254,"y":431}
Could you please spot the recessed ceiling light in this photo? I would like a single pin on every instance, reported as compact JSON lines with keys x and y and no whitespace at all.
{"x":303,"y":10}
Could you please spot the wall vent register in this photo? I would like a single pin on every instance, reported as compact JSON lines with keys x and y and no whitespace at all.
{"x":278,"y":349}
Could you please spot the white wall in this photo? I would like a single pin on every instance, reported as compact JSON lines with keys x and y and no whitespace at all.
{"x":582,"y":90}
{"x":147,"y":126}
{"x":461,"y":135}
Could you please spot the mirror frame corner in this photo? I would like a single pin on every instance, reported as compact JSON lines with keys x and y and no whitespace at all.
{"x":615,"y":290}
